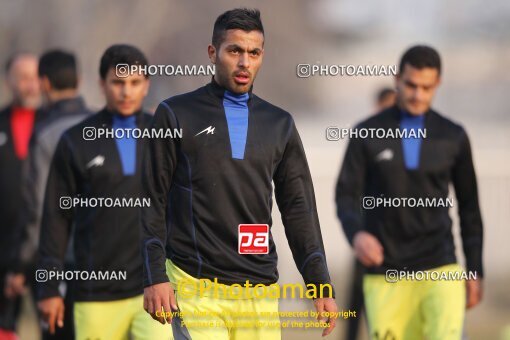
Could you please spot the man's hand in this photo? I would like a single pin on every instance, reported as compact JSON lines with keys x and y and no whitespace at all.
{"x":14,"y":285}
{"x":368,"y":249}
{"x":157,"y":296}
{"x":474,"y":293}
{"x":323,"y":307}
{"x":52,"y":311}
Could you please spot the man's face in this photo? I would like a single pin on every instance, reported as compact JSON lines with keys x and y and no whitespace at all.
{"x":23,"y":81}
{"x":416,"y":88}
{"x":124,"y":95}
{"x":238,"y":59}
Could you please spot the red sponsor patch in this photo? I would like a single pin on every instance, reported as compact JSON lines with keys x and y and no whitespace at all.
{"x":253,"y":239}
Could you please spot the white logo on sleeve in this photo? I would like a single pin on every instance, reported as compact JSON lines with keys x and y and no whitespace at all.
{"x":96,"y":161}
{"x":385,"y":155}
{"x":209,"y":130}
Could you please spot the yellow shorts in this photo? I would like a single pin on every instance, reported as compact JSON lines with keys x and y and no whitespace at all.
{"x":412,"y":309}
{"x":221,"y":318}
{"x":117,"y":320}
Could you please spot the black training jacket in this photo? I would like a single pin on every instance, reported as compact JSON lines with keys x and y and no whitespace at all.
{"x":201,"y":193}
{"x":105,"y":238}
{"x":10,"y":184}
{"x":414,"y":238}
{"x":59,"y":116}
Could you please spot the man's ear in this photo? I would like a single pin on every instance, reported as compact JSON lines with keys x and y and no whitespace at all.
{"x":102,"y":85}
{"x":211,"y":51}
{"x":45,"y":84}
{"x":147,"y":87}
{"x":438,"y":81}
{"x":397,"y":79}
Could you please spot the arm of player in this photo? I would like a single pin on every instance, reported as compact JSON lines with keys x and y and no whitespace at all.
{"x":350,"y":188}
{"x":160,"y":159}
{"x":15,"y":279}
{"x":349,"y":191}
{"x":55,"y":230}
{"x":26,"y":233}
{"x":464,"y":182}
{"x":34,"y":176}
{"x":296,"y":200}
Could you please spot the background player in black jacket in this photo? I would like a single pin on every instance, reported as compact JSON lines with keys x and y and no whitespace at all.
{"x":392,"y":240}
{"x":58,"y":73}
{"x":385,"y":99}
{"x":106,"y":238}
{"x":16,"y":127}
{"x":220,"y":175}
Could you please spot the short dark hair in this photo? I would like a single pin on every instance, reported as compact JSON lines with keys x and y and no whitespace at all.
{"x":60,"y":68}
{"x":384,"y":93}
{"x":121,"y":54}
{"x":420,"y":57}
{"x":245,"y":19}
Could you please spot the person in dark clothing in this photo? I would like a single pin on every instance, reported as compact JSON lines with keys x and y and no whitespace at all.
{"x":218,"y":178}
{"x":385,"y":99}
{"x":106,"y":172}
{"x":395,"y":239}
{"x":16,"y":127}
{"x":59,"y":82}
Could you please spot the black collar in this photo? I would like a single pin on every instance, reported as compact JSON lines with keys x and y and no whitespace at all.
{"x":69,"y":105}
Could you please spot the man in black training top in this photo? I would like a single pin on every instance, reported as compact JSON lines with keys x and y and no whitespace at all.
{"x":392,"y":199}
{"x":219,"y":177}
{"x":94,"y":193}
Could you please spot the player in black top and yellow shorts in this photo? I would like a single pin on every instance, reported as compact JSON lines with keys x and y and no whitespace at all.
{"x":414,"y":288}
{"x":218,"y":176}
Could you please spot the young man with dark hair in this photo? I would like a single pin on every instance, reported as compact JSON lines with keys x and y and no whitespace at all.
{"x":398,"y":244}
{"x":240,"y":18}
{"x":219,"y":176}
{"x":106,"y":238}
{"x":119,"y":56}
{"x":16,"y":127}
{"x":59,"y":83}
{"x":420,"y":57}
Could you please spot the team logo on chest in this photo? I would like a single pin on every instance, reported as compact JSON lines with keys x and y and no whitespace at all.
{"x":96,"y":161}
{"x":209,"y":130}
{"x":385,"y":155}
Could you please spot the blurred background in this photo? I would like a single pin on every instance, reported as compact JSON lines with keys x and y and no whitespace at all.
{"x":472,"y":37}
